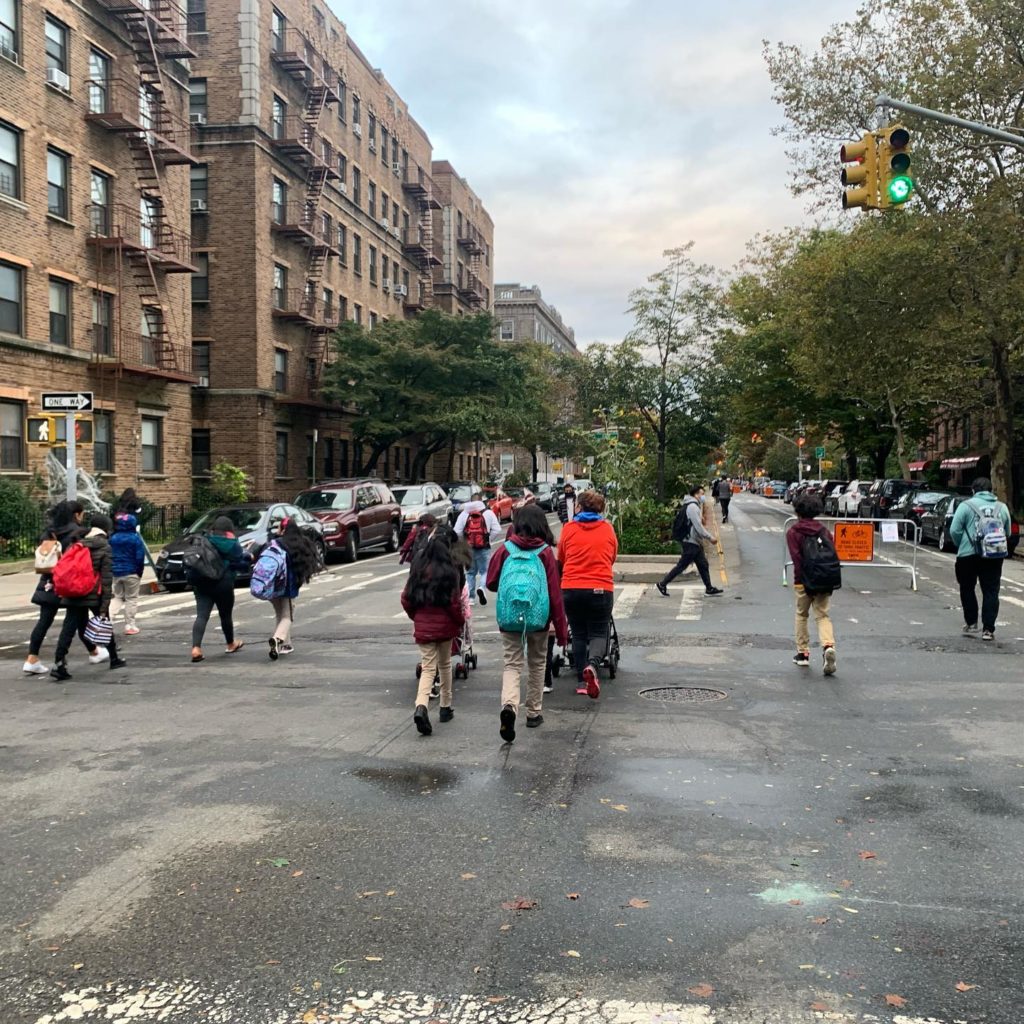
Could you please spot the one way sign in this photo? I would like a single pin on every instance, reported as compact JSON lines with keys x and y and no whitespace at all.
{"x":67,"y":401}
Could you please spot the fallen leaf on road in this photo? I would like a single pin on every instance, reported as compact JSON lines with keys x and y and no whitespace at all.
{"x":638,"y":904}
{"x":505,"y":928}
{"x":866,"y":855}
{"x":702,"y":991}
{"x":278,"y":862}
{"x":898,"y":1001}
{"x":518,"y":905}
{"x":821,"y":1007}
{"x":391,"y":892}
{"x":962,"y":986}
{"x":850,"y":910}
{"x":51,"y":949}
{"x":373,"y":959}
{"x":496,"y":999}
{"x":604,"y":800}
{"x":296,"y":874}
{"x":572,"y":895}
{"x":819,"y":920}
{"x":467,"y":875}
{"x":845,"y":884}
{"x":271,"y":963}
{"x":575,"y":953}
{"x":309,"y":1017}
{"x":619,"y":807}
{"x":77,"y":967}
{"x":796,"y":903}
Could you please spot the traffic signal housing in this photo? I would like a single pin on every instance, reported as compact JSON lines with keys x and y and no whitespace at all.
{"x":895,"y":181}
{"x":860,"y":179}
{"x":801,"y":441}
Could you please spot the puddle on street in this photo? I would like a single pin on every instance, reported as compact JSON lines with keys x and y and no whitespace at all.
{"x":410,"y":781}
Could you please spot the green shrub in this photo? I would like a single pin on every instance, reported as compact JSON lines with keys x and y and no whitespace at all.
{"x":645,"y":528}
{"x":21,"y":520}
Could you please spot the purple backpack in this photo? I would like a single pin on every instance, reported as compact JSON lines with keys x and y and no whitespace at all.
{"x":270,"y":573}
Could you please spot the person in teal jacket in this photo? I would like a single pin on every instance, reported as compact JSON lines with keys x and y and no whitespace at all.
{"x":219,"y":594}
{"x":973,"y":568}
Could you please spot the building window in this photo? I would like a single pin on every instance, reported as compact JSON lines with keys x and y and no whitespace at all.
{"x":405,"y":281}
{"x":102,"y":442}
{"x":99,"y":81}
{"x":384,"y":141}
{"x":357,"y":313}
{"x":355,"y":110}
{"x":281,"y":452}
{"x":197,"y":16}
{"x":280,"y":369}
{"x":342,"y":238}
{"x":197,"y":99}
{"x":280,"y":286}
{"x":12,"y":435}
{"x":507,"y":330}
{"x":10,"y":161}
{"x":277,"y":29}
{"x":357,"y":254}
{"x":394,"y":214}
{"x":201,"y":451}
{"x":201,"y":278}
{"x":99,"y":203}
{"x":201,"y":362}
{"x":357,"y":186}
{"x":9,"y":29}
{"x":343,"y":457}
{"x":10,"y":299}
{"x":342,"y":171}
{"x":508,"y":295}
{"x":372,"y":260}
{"x":326,"y":227}
{"x":152,"y":444}
{"x":327,"y":298}
{"x":328,"y":468}
{"x":278,"y":112}
{"x":102,"y":321}
{"x":371,"y":200}
{"x":199,"y":194}
{"x":60,"y":312}
{"x":57,"y":182}
{"x":371,"y":130}
{"x":394,"y":275}
{"x":373,"y":320}
{"x":342,"y":308}
{"x":56,"y":48}
{"x":278,"y":201}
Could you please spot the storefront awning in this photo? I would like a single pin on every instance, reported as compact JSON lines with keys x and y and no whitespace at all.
{"x":961,"y":462}
{"x":916,"y":467}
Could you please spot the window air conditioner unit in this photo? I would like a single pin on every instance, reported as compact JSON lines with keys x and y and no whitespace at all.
{"x":343,"y":188}
{"x":357,"y":130}
{"x":54,"y":76}
{"x":396,"y":169}
{"x":197,"y":205}
{"x":383,"y":223}
{"x":373,"y":146}
{"x":196,"y":117}
{"x":204,"y":382}
{"x":9,"y":52}
{"x":400,"y":289}
{"x":386,"y":284}
{"x":396,"y":232}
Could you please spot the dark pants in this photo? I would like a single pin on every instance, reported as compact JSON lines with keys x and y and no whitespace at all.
{"x":692,"y":553}
{"x":222,"y":595}
{"x":75,"y":620}
{"x":47,"y":613}
{"x":725,"y":509}
{"x":547,"y":664}
{"x":971,"y":571}
{"x":589,"y":613}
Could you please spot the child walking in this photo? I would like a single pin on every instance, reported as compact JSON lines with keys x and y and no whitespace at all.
{"x":524,"y":572}
{"x":301,"y":565}
{"x":433,"y":599}
{"x":219,"y":593}
{"x":129,"y":558}
{"x":816,"y":573}
{"x":417,"y":537}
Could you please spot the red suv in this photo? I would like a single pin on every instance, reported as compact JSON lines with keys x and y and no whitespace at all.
{"x":356,"y":515}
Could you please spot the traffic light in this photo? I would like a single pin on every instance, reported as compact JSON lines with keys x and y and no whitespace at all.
{"x":755,"y":437}
{"x":860,"y":181}
{"x":801,"y":441}
{"x":638,"y":435}
{"x":895,"y":181}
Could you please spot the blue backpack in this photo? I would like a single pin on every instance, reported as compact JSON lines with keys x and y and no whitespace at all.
{"x":523,"y":604}
{"x":270,"y":573}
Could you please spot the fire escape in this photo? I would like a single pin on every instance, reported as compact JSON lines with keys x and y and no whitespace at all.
{"x":418,"y":243}
{"x":139,"y":243}
{"x":471,"y":290}
{"x":298,"y":138}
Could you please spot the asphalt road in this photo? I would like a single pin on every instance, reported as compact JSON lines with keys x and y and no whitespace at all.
{"x":247,"y":842}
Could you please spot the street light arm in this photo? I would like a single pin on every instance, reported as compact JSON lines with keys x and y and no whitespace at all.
{"x":784,"y":438}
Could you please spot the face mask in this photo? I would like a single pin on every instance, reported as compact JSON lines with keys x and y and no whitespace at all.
{"x":701,"y":499}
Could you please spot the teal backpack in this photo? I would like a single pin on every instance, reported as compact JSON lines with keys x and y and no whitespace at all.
{"x":523,"y":604}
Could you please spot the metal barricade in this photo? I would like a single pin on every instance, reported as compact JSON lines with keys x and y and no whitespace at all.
{"x":912,"y":530}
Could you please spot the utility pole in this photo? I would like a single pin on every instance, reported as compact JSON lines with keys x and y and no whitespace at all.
{"x":71,"y":470}
{"x":957,"y":122}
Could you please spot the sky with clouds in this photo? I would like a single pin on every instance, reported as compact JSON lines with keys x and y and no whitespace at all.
{"x":600,"y":132}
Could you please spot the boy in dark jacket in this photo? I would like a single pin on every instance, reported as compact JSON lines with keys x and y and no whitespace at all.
{"x":128,"y":555}
{"x":807,"y":508}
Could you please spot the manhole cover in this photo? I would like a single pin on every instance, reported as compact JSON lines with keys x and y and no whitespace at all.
{"x":683,"y":694}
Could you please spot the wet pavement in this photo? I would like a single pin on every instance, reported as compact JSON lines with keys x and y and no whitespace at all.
{"x":248,"y":842}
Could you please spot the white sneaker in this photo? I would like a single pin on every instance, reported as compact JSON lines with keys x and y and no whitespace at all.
{"x":36,"y":669}
{"x":101,"y":655}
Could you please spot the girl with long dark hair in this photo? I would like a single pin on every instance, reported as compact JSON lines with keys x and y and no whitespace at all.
{"x":433,"y":599}
{"x":303,"y":563}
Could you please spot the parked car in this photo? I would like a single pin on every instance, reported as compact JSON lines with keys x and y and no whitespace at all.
{"x":914,"y":503}
{"x":421,"y":500}
{"x":356,"y":515}
{"x":775,"y":488}
{"x":582,"y":484}
{"x":544,"y":493}
{"x":498,"y":502}
{"x":848,"y":502}
{"x":936,"y":524}
{"x":878,"y":502}
{"x":830,"y":498}
{"x":520,"y":496}
{"x":253,"y":523}
{"x":460,"y":492}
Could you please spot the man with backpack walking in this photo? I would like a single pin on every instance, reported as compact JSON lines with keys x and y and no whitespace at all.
{"x":816,"y":574}
{"x":478,"y":525}
{"x":725,"y":496}
{"x":980,"y":530}
{"x":688,"y":531}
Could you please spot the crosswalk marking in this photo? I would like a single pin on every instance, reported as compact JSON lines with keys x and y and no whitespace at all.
{"x":765,"y":529}
{"x":626,"y":599}
{"x":691,"y":607}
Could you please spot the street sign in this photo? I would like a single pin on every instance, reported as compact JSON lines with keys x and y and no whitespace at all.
{"x":67,"y":401}
{"x":819,"y":452}
{"x":40,"y":430}
{"x":826,"y":464}
{"x":855,"y":542}
{"x":611,"y":434}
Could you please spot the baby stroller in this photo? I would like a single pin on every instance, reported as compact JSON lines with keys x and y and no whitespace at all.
{"x":608,"y":659}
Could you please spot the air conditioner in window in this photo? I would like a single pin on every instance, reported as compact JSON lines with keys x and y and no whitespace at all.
{"x":357,"y":130}
{"x":8,"y":51}
{"x":373,"y":146}
{"x":197,"y":205}
{"x":203,"y":382}
{"x":396,"y":232}
{"x":396,"y":169}
{"x":386,"y":284}
{"x":400,"y":289}
{"x":196,"y":117}
{"x":54,"y":76}
{"x":383,"y":222}
{"x":343,"y":188}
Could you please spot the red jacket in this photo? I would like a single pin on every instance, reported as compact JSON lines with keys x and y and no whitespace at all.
{"x":794,"y":539}
{"x":587,"y":552}
{"x":550,"y":563}
{"x":432,"y":623}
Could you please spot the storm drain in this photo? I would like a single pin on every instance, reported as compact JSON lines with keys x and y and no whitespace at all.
{"x":683,"y":694}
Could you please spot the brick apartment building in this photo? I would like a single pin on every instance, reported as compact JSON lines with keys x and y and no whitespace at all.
{"x":94,"y":259}
{"x":315,"y":201}
{"x":523,"y":315}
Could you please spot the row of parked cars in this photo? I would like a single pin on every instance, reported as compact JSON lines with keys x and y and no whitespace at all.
{"x":930,"y":509}
{"x":344,"y":517}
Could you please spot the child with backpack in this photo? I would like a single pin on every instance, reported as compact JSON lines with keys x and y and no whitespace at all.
{"x":816,"y":574}
{"x":211,"y":562}
{"x":417,"y":537}
{"x":524,"y":573}
{"x":432,"y":598}
{"x":478,"y":526}
{"x":129,"y":560}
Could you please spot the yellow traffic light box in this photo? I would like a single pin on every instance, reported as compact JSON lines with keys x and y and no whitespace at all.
{"x":860,"y":179}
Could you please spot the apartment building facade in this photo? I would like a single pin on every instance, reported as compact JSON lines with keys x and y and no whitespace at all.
{"x":314,"y":203}
{"x":523,"y":315}
{"x":95,"y":150}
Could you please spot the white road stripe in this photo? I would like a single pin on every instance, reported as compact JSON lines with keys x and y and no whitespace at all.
{"x":691,"y":607}
{"x":626,"y":599}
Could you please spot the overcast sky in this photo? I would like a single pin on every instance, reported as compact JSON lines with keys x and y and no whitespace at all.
{"x":599,"y":133}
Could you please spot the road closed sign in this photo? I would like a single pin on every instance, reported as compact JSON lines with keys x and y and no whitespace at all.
{"x":855,"y":542}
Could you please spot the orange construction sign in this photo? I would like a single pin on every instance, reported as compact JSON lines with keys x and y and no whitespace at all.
{"x":855,"y":542}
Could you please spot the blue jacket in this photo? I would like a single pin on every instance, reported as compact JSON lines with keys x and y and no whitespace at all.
{"x":128,"y":550}
{"x":962,"y":530}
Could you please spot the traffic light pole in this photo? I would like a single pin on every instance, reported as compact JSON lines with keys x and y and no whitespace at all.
{"x":957,"y":122}
{"x":71,"y":471}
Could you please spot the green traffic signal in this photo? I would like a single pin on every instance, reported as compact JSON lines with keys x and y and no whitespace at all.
{"x":899,"y":189}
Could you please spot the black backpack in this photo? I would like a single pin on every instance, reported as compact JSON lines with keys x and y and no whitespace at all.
{"x":820,"y":566}
{"x":681,"y":526}
{"x":201,"y":561}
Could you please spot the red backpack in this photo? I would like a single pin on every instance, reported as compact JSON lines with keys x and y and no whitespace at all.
{"x":74,"y":575}
{"x":477,"y":534}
